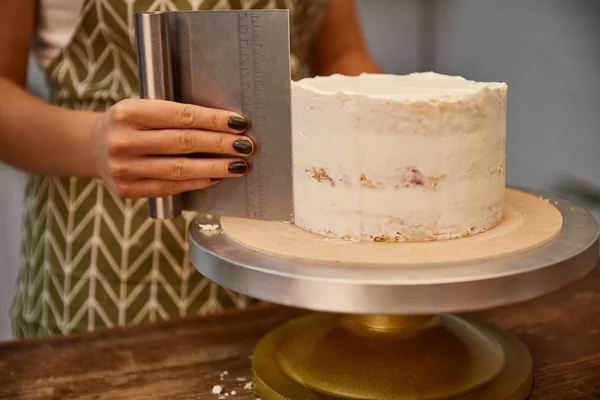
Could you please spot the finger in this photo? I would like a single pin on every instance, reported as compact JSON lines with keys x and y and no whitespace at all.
{"x":162,"y":114}
{"x":179,"y":168}
{"x":144,"y":188}
{"x":187,"y":141}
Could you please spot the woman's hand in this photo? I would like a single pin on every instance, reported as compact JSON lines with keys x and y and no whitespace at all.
{"x":138,"y":147}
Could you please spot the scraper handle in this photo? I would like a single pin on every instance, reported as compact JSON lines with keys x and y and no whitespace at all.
{"x":155,"y":82}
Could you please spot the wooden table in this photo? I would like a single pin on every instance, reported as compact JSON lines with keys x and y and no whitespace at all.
{"x":184,"y":359}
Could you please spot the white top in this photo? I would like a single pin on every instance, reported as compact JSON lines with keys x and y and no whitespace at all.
{"x":57,"y":20}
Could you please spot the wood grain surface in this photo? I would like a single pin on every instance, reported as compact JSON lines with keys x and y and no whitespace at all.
{"x":184,"y":359}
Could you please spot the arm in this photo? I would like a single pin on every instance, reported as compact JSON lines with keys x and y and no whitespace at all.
{"x":339,"y":45}
{"x":35,"y":136}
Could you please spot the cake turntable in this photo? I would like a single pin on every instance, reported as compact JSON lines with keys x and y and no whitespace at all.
{"x":383,"y":330}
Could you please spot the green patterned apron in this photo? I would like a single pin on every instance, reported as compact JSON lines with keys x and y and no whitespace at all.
{"x":90,"y":259}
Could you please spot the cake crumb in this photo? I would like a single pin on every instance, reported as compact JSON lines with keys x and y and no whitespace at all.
{"x":249,"y":386}
{"x":320,"y":175}
{"x":434,"y":181}
{"x":217,"y":389}
{"x":209,"y":227}
{"x":383,"y":239}
{"x":222,"y":375}
{"x":366,"y":182}
{"x":413,"y":177}
{"x":497,"y":171}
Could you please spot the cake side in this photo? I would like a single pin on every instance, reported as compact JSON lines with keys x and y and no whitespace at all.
{"x":426,"y":163}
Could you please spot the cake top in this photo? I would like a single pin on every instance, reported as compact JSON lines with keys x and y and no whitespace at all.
{"x":415,"y":86}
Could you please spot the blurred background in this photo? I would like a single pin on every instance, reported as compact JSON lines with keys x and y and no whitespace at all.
{"x":547,"y":51}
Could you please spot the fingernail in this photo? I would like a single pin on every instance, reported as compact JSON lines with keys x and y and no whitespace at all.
{"x":237,"y":123}
{"x":243,"y":146}
{"x":215,"y":179}
{"x":237,"y":167}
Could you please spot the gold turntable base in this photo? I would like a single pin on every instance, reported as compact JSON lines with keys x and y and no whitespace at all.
{"x":324,"y":357}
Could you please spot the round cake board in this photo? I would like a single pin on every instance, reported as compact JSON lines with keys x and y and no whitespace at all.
{"x":529,"y":222}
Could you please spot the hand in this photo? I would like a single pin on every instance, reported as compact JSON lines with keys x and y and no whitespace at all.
{"x":138,"y":147}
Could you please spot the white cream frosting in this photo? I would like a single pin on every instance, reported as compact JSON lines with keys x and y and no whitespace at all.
{"x":398,"y":158}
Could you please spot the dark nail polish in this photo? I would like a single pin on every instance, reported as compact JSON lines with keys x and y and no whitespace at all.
{"x":238,"y":167}
{"x":216,"y":179}
{"x":237,"y":123}
{"x":243,"y":146}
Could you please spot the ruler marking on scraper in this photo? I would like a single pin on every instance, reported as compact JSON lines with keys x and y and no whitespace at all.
{"x":247,"y":72}
{"x":247,"y":78}
{"x":252,"y":65}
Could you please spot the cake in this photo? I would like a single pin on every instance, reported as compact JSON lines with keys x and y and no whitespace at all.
{"x":398,"y":158}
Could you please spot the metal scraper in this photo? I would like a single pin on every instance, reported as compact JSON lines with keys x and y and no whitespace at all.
{"x":232,"y":60}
